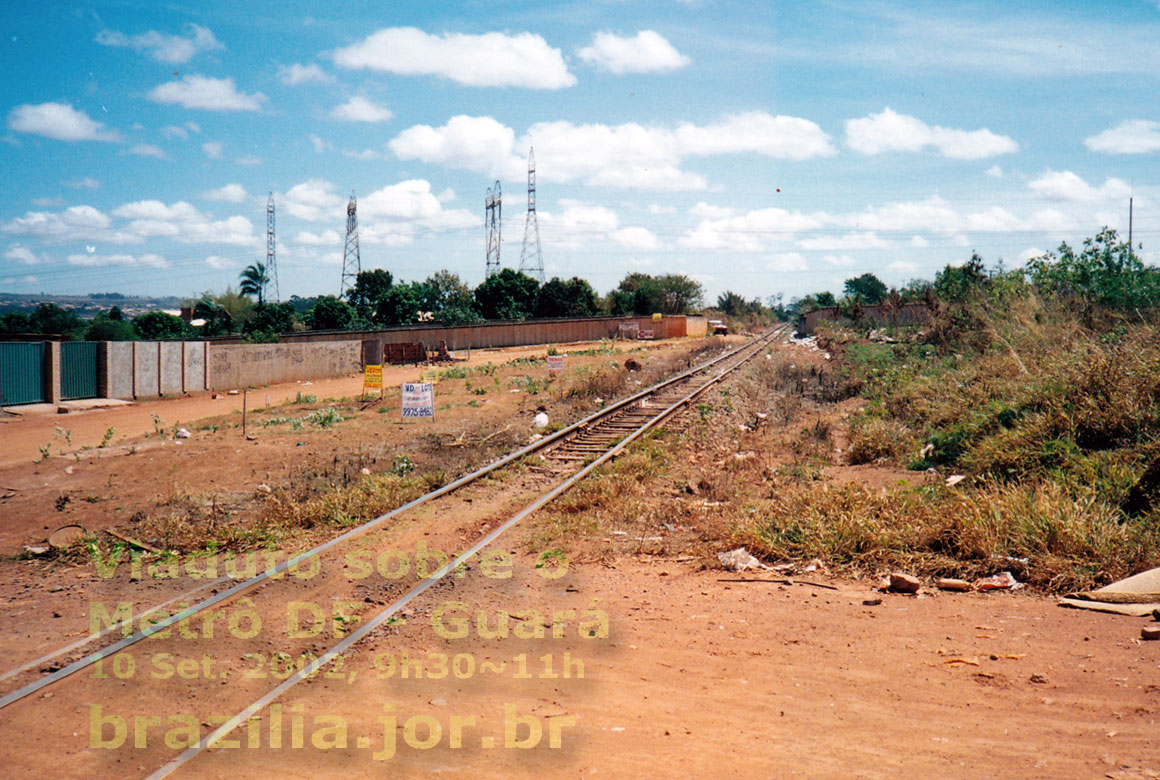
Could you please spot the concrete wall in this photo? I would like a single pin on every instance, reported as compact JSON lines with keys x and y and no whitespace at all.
{"x":696,"y":325}
{"x":133,"y":369}
{"x":119,"y":370}
{"x":233,"y":366}
{"x":877,"y":314}
{"x":495,"y":334}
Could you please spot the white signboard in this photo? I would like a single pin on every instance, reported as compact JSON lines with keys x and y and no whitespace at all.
{"x":555,"y":365}
{"x":629,"y":330}
{"x":645,"y":334}
{"x":418,"y":400}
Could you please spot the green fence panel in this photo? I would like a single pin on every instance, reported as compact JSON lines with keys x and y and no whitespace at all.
{"x":22,"y":372}
{"x":78,"y":370}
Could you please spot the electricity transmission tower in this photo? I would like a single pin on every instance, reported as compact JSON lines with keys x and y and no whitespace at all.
{"x":531,"y":258}
{"x":271,"y":257}
{"x":351,"y":264}
{"x":493,"y":226}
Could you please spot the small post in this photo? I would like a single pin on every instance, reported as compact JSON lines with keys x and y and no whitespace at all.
{"x":244,"y":436}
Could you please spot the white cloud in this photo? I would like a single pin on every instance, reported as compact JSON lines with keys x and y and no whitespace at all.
{"x":994,"y":172}
{"x":892,"y":132}
{"x":487,"y":60}
{"x":169,"y":49}
{"x":313,"y":200}
{"x":219,"y":263}
{"x":60,"y":121}
{"x":780,"y":137}
{"x":359,"y":109}
{"x":213,"y":149}
{"x":74,"y":223}
{"x":303,"y":74}
{"x":1031,"y":252}
{"x":173,"y":131}
{"x":183,"y":222}
{"x":48,"y":203}
{"x":1133,"y":136}
{"x":325,"y":238}
{"x":230,"y":193}
{"x":838,"y":260}
{"x":319,"y":145}
{"x":854,"y":240}
{"x":408,"y":200}
{"x":787,"y":262}
{"x":627,"y":155}
{"x":148,"y":260}
{"x":902,"y":267}
{"x":22,"y":254}
{"x":365,"y":154}
{"x":919,"y":242}
{"x":636,"y":238}
{"x":248,"y":159}
{"x":656,"y":208}
{"x":1067,"y":186}
{"x":148,"y":150}
{"x":86,"y":183}
{"x":471,"y":143}
{"x":751,"y":231}
{"x":648,"y":52}
{"x":708,"y":211}
{"x":206,"y":93}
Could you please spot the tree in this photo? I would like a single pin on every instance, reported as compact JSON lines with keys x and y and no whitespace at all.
{"x":866,"y":288}
{"x":957,"y":283}
{"x":1106,"y":272}
{"x":330,"y":313}
{"x":448,"y":299}
{"x":15,"y":322}
{"x":159,"y":325}
{"x":402,"y":303}
{"x":110,"y":327}
{"x":270,"y":321}
{"x":731,"y":304}
{"x":253,"y":282}
{"x":369,"y":288}
{"x":48,"y":318}
{"x":573,"y":298}
{"x":643,"y":294}
{"x":223,"y":312}
{"x":507,"y":295}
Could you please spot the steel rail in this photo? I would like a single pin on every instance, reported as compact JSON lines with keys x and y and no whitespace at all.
{"x":241,"y":587}
{"x":389,"y":611}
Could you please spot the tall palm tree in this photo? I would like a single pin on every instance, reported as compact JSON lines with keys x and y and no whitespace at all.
{"x":253,"y":282}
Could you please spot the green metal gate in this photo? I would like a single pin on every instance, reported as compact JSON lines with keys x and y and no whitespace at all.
{"x":78,"y":370}
{"x":22,"y":372}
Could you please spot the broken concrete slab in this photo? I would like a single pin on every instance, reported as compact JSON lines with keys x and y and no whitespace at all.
{"x":1137,"y":596}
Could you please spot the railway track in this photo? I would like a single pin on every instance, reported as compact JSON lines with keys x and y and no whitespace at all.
{"x":569,"y":454}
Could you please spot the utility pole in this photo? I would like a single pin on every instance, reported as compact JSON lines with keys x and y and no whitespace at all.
{"x":493,"y":226}
{"x":351,"y":264}
{"x":1130,"y":251}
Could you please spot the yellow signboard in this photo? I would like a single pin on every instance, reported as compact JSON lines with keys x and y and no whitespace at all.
{"x":373,"y":378}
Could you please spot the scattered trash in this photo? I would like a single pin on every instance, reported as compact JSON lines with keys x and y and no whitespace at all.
{"x":904,"y":583}
{"x":1004,"y":580}
{"x":65,"y":536}
{"x":365,"y":471}
{"x":264,"y":488}
{"x":949,"y":583}
{"x":815,"y":565}
{"x":182,"y":433}
{"x":232,"y":392}
{"x":35,"y":550}
{"x":540,"y":420}
{"x":1138,"y":595}
{"x":954,"y":479}
{"x":739,"y":560}
{"x":926,"y":451}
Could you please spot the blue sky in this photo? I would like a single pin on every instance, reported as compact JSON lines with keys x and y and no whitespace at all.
{"x":757,"y":147}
